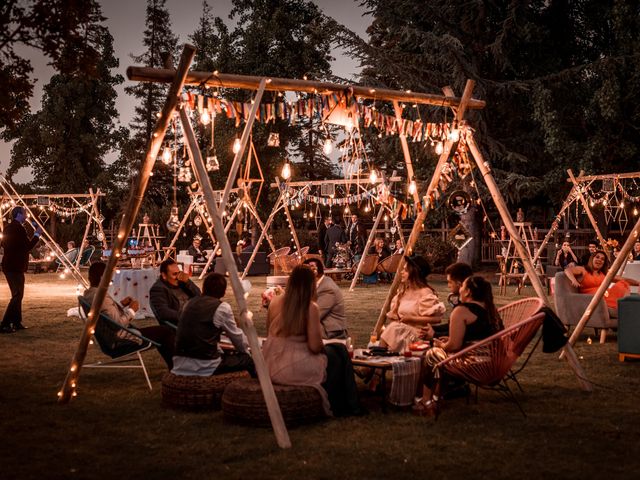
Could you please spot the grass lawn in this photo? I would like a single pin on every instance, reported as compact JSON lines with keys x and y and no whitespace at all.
{"x":116,"y":428}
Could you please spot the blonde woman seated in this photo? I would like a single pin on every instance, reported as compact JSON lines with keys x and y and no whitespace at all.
{"x":588,"y":279}
{"x":294,"y":351}
{"x":413,"y":307}
{"x":473,"y":319}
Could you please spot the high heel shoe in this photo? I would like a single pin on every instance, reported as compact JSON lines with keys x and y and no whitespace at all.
{"x":429,"y":408}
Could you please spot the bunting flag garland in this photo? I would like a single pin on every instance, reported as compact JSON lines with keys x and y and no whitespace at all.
{"x":320,"y":107}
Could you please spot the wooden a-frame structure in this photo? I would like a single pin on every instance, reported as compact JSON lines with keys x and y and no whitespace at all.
{"x":91,"y":211}
{"x":178,"y":78}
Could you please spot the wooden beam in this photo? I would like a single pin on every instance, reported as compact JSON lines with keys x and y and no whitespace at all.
{"x":587,"y":208}
{"x":525,"y":255}
{"x":365,"y":251}
{"x":422,"y":216}
{"x":246,"y":133}
{"x":405,"y":151}
{"x":133,"y":205}
{"x":613,"y":271}
{"x":247,"y":82}
{"x":586,"y":178}
{"x":246,"y":322}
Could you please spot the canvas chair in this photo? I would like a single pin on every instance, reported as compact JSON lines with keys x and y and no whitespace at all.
{"x":487,"y":363}
{"x":87,"y":253}
{"x":108,"y":336}
{"x":570,"y":306}
{"x":511,"y":314}
{"x":71,"y":256}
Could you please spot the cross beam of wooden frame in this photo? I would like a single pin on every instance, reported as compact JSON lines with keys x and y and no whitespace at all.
{"x":247,"y":82}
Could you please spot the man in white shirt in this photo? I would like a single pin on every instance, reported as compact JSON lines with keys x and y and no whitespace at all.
{"x":202,"y":320}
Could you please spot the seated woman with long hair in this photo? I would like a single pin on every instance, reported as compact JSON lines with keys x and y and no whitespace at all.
{"x":294,"y":351}
{"x":413,"y":307}
{"x":473,"y":319}
{"x":591,"y":277}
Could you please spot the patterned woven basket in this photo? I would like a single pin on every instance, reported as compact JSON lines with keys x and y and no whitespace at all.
{"x":243,"y":402}
{"x":196,"y":393}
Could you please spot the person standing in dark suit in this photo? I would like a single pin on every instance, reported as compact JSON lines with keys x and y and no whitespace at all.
{"x":322,"y":232}
{"x":335,"y":234}
{"x":15,"y":261}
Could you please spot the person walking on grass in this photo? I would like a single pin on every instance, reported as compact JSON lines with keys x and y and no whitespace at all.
{"x":15,"y":261}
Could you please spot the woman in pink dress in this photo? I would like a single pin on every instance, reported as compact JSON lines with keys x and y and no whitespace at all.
{"x":413,"y":307}
{"x":294,"y":351}
{"x":591,"y":277}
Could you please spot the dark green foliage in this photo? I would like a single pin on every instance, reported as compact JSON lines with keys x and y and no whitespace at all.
{"x":59,"y":29}
{"x":161,"y":44}
{"x":66,"y":141}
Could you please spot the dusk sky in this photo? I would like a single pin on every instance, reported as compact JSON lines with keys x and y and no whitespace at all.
{"x":125,"y":19}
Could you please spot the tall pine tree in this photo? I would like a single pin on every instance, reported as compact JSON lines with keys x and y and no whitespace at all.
{"x":66,"y":141}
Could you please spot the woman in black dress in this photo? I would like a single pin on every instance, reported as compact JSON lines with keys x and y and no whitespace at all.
{"x":473,"y":319}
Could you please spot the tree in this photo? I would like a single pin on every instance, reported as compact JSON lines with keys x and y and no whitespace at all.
{"x":542,"y":110}
{"x":65,"y":142}
{"x":161,"y":44}
{"x":51,"y":26}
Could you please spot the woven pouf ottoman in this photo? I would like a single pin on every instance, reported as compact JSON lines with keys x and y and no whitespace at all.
{"x":243,"y":403}
{"x":196,"y":393}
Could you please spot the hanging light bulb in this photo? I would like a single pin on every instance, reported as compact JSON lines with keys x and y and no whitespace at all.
{"x":412,"y":187}
{"x":236,"y":145}
{"x":366,"y":208}
{"x":205,"y":118}
{"x":373,"y":176}
{"x":166,"y":155}
{"x":349,"y":126}
{"x":439,"y":148}
{"x":327,"y":148}
{"x":454,"y":134}
{"x":346,"y":209}
{"x":286,"y":170}
{"x":635,"y":211}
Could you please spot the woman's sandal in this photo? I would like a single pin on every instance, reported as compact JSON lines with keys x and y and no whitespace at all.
{"x":430,"y":408}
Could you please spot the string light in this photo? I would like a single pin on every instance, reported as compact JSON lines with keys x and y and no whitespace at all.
{"x":166,"y":155}
{"x":327,"y":148}
{"x":439,"y":148}
{"x":286,"y":171}
{"x":236,"y":145}
{"x":205,"y":118}
{"x":373,"y":176}
{"x":412,"y":187}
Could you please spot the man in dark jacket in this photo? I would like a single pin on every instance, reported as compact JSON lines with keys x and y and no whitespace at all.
{"x":15,"y":261}
{"x":335,"y":234}
{"x":170,"y":292}
{"x":202,"y":321}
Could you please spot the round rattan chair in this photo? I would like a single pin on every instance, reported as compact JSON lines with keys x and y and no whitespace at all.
{"x":243,"y":402}
{"x":196,"y":393}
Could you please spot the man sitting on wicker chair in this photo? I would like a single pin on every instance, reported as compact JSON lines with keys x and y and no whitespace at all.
{"x":202,"y":320}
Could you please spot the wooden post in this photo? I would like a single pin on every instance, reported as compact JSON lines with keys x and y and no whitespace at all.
{"x":613,"y":271}
{"x":405,"y":150}
{"x":568,"y":201}
{"x":372,"y":235}
{"x":525,"y":255}
{"x":603,"y":242}
{"x":86,"y":231}
{"x":417,"y":225}
{"x":246,"y":322}
{"x":216,"y":246}
{"x":69,"y":386}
